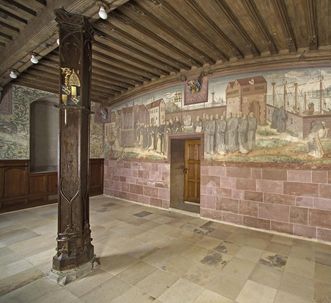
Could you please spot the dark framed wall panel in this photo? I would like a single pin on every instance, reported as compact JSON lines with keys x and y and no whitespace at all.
{"x":20,"y":188}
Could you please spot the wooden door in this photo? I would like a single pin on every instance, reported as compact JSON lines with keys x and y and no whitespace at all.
{"x":192,"y":171}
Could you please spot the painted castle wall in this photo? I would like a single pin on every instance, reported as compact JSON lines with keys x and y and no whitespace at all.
{"x":280,"y":185}
{"x":15,"y":124}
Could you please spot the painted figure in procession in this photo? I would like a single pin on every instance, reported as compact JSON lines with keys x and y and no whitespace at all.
{"x":211,"y":126}
{"x":242,"y":133}
{"x":220,"y":130}
{"x":232,"y":133}
{"x":197,"y":125}
{"x":251,"y":133}
{"x":318,"y":131}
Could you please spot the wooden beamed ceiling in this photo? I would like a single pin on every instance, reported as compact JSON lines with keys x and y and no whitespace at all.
{"x":146,"y":42}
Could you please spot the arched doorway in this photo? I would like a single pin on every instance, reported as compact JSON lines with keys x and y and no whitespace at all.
{"x":44,"y":128}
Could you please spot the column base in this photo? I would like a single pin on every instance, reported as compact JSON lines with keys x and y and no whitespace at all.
{"x":66,"y":276}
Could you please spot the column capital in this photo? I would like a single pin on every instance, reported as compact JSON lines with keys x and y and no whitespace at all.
{"x":73,"y":22}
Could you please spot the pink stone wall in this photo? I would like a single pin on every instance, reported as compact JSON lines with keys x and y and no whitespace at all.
{"x":290,"y":201}
{"x":294,"y":201}
{"x":144,"y":182}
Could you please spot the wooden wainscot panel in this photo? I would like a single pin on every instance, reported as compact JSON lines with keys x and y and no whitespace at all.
{"x":52,"y":183}
{"x":96,"y":177}
{"x":19,"y":188}
{"x":15,"y":181}
{"x":38,"y":183}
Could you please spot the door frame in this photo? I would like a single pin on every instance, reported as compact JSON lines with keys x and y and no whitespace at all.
{"x":186,"y":136}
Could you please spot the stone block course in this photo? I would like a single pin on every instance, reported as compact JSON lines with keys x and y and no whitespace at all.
{"x":284,"y":200}
{"x":279,"y":199}
{"x":274,"y":174}
{"x":276,"y":212}
{"x":300,"y":189}
{"x":299,"y":215}
{"x":304,"y":176}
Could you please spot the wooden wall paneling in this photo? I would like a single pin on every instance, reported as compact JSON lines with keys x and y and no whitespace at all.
{"x":21,"y":189}
{"x":38,"y":183}
{"x":16,"y":182}
{"x":96,"y":177}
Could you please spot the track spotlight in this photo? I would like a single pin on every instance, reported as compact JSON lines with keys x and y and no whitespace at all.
{"x":13,"y":74}
{"x":102,"y":13}
{"x":34,"y":59}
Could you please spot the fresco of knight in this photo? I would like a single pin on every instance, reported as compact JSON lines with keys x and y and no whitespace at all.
{"x":276,"y":116}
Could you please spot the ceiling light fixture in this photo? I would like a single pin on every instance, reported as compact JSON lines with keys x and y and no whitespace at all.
{"x":13,"y":74}
{"x":102,"y":13}
{"x":58,"y":41}
{"x":34,"y":59}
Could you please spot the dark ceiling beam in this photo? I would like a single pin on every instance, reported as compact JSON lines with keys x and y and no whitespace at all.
{"x":199,"y":12}
{"x":100,"y":78}
{"x":113,"y":69}
{"x":312,"y":24}
{"x":37,"y":85}
{"x":34,"y":4}
{"x":285,"y":22}
{"x":12,"y":16}
{"x":141,"y":12}
{"x":149,"y":33}
{"x":52,"y":69}
{"x":169,"y":64}
{"x":41,"y":31}
{"x":21,"y":9}
{"x":10,"y":27}
{"x":124,"y":65}
{"x":96,"y":67}
{"x":111,"y":79}
{"x":258,"y":20}
{"x":235,"y":22}
{"x":5,"y":36}
{"x":96,"y":73}
{"x":149,"y":63}
{"x":174,"y":13}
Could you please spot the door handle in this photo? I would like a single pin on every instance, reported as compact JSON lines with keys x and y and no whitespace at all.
{"x":185,"y":170}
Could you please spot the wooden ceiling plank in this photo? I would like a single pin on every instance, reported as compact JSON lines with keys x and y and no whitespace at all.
{"x":122,"y":64}
{"x":118,"y":75}
{"x":147,"y":32}
{"x":121,"y":87}
{"x":138,"y":9}
{"x":109,"y":63}
{"x":235,"y":22}
{"x":37,"y":85}
{"x":173,"y":12}
{"x":280,"y":7}
{"x":253,"y":11}
{"x":13,"y":15}
{"x":35,"y":5}
{"x":131,"y":58}
{"x":96,"y":67}
{"x":118,"y":71}
{"x":199,"y":12}
{"x":23,"y":10}
{"x":167,"y":62}
{"x":110,"y":79}
{"x":312,"y":24}
{"x":54,"y":71}
{"x":6,"y":36}
{"x":9,"y":27}
{"x":53,"y":61}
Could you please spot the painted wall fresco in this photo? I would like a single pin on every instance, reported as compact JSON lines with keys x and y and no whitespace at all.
{"x":276,"y":116}
{"x":15,"y":125}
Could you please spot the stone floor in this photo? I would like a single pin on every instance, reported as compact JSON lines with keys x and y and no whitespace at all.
{"x":152,"y":255}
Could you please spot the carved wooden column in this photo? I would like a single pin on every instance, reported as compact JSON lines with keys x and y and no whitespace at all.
{"x":75,"y":253}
